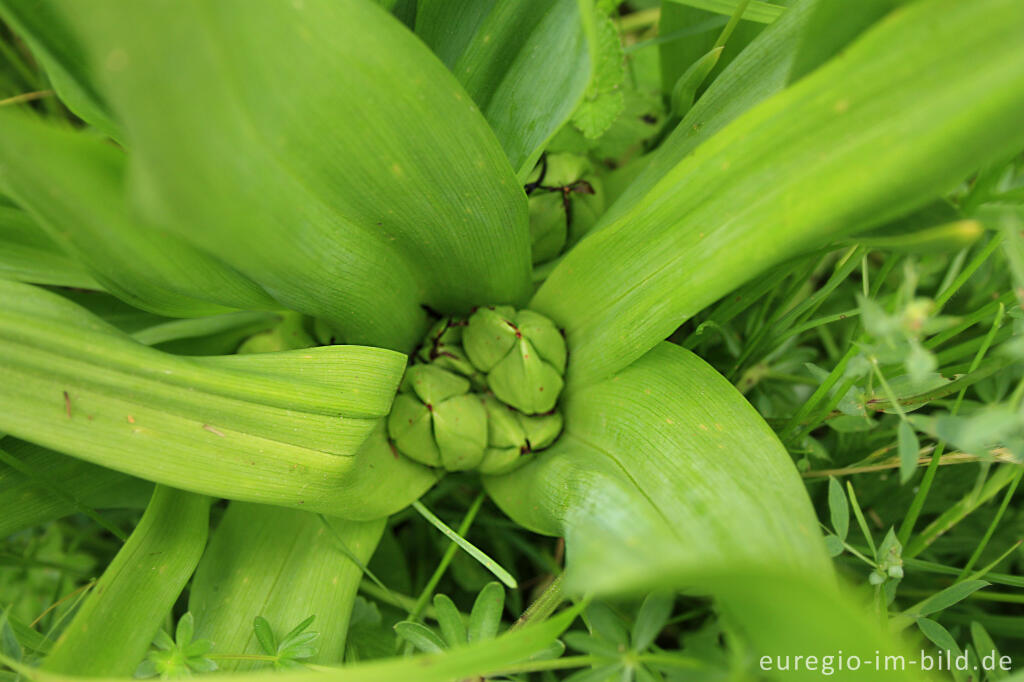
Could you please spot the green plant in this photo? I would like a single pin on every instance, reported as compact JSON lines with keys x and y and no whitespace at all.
{"x":285,"y":275}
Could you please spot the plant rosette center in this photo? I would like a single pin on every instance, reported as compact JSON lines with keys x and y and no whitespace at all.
{"x":482,"y":393}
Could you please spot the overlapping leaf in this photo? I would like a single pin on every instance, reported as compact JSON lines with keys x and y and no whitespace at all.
{"x":524,"y":62}
{"x":910,"y":107}
{"x":296,"y":428}
{"x":340,"y":165}
{"x":663,"y":469}
{"x":73,"y":185}
{"x":28,"y":255}
{"x":62,"y":58}
{"x":666,"y":476}
{"x":256,"y":552}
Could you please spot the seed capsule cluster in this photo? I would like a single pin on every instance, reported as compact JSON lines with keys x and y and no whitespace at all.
{"x":482,"y":393}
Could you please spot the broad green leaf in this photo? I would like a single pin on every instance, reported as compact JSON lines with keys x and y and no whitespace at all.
{"x":283,"y":565}
{"x":298,"y":428}
{"x":112,"y":630}
{"x":72,"y":184}
{"x":903,"y":114}
{"x":664,"y":469}
{"x":482,"y":659}
{"x":30,"y":500}
{"x":339,"y":165}
{"x":524,"y":62}
{"x":27,"y":254}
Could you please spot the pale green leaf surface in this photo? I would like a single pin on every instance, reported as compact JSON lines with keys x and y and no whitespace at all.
{"x":340,"y":166}
{"x":27,"y":254}
{"x":664,"y":469}
{"x":27,"y":503}
{"x":524,"y":62}
{"x":112,"y":630}
{"x":909,"y":108}
{"x":73,"y":185}
{"x":283,"y":565}
{"x":291,"y":428}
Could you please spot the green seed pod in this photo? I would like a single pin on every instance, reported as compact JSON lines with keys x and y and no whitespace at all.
{"x":512,"y":436}
{"x":523,"y":354}
{"x":566,"y":198}
{"x":436,"y":421}
{"x":443,"y":348}
{"x":548,"y":231}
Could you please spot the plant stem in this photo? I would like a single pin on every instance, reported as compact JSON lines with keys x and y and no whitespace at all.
{"x":446,"y":559}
